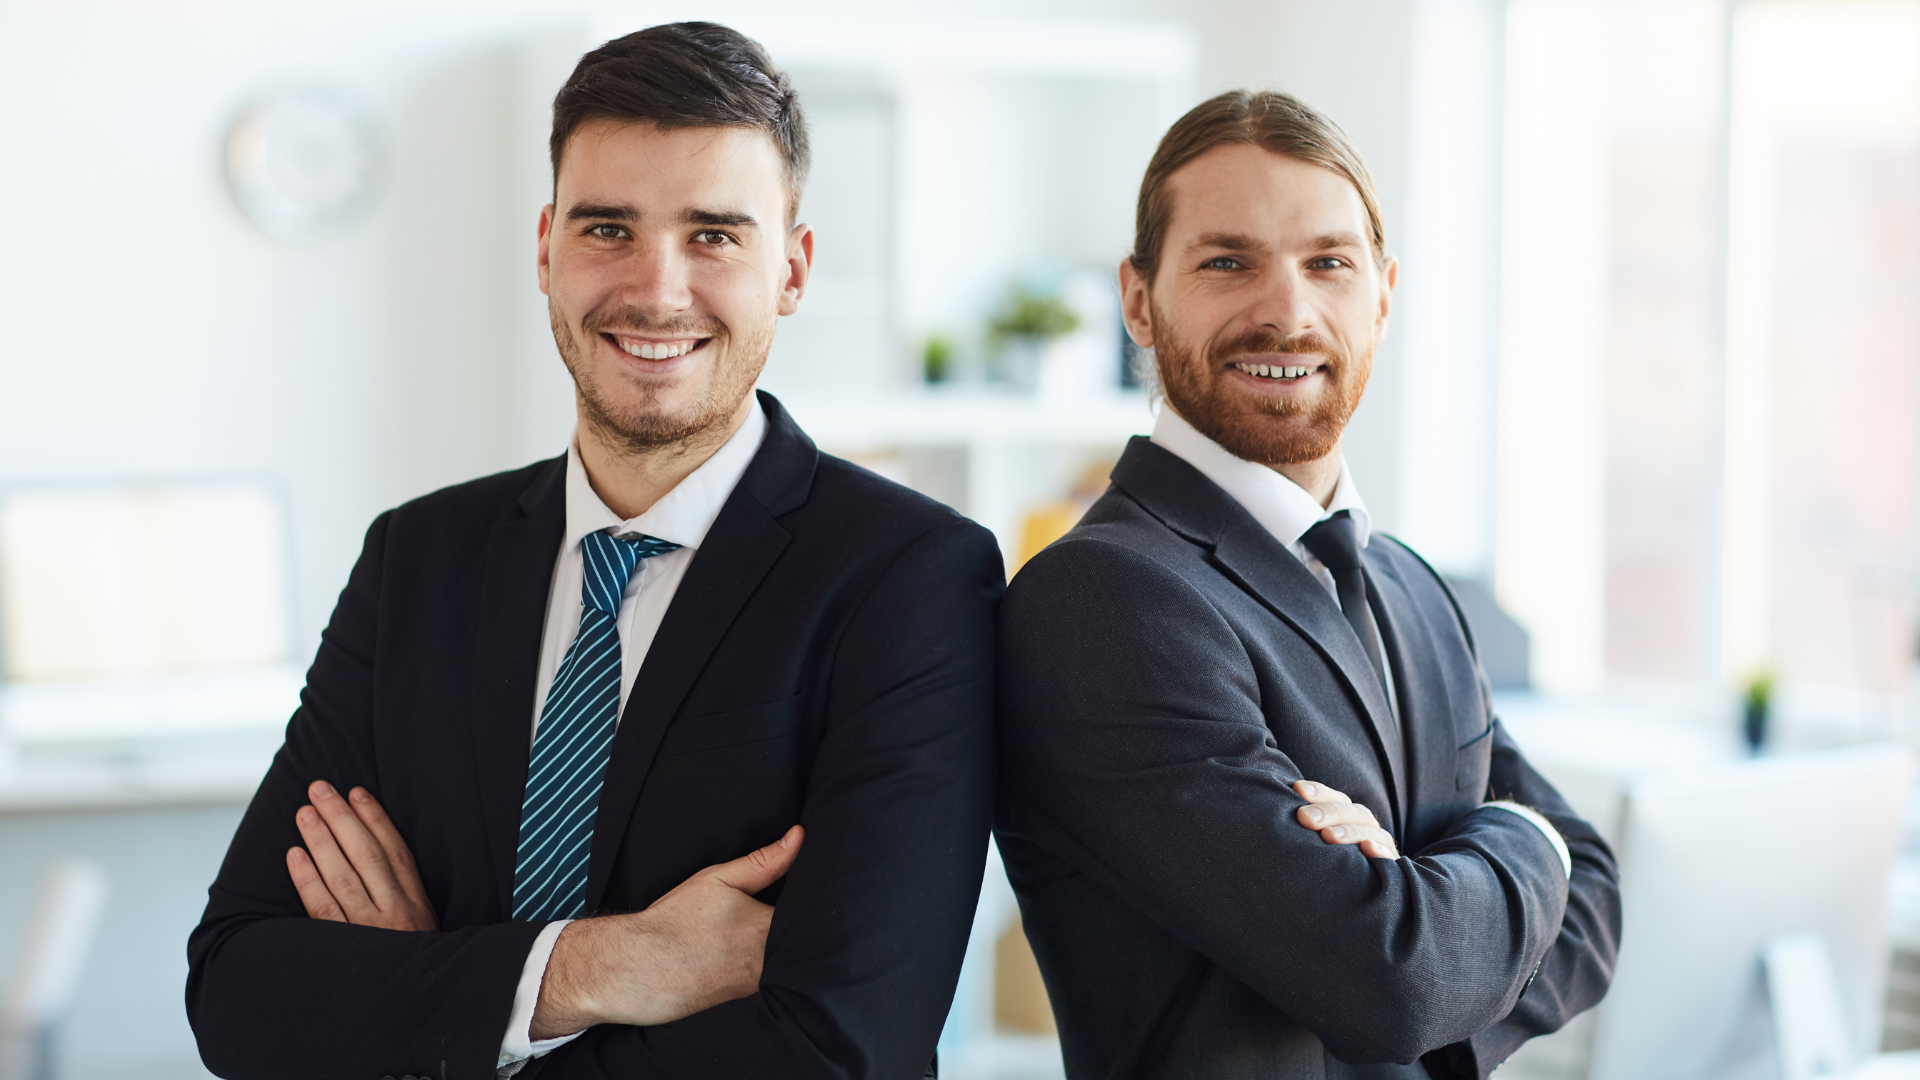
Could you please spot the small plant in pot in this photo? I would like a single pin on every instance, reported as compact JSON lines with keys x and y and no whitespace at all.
{"x":1758,"y":700}
{"x":1027,"y":322}
{"x":937,"y":359}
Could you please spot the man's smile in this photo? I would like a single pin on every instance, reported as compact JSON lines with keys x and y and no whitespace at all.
{"x":1283,"y":376}
{"x":1287,"y":372}
{"x":655,"y":348}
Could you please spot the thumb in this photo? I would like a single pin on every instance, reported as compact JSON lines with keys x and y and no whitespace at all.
{"x":758,"y":869}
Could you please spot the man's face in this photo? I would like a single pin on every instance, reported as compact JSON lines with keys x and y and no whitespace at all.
{"x":666,"y":259}
{"x":1267,"y":304}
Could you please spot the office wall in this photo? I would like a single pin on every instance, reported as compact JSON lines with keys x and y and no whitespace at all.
{"x":148,"y":331}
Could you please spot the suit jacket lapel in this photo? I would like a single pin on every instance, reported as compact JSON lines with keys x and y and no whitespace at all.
{"x":506,"y":661}
{"x":740,"y":548}
{"x":1190,"y":504}
{"x":1257,"y":563}
{"x":1425,"y":707}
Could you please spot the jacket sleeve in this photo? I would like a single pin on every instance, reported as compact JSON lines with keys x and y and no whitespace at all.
{"x":872,"y":921}
{"x":1577,"y":970}
{"x":1136,"y":748}
{"x":274,"y":994}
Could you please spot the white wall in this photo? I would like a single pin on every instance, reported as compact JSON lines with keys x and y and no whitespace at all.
{"x":148,"y":331}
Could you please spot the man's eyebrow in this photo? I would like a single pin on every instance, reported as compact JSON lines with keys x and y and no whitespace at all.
{"x":599,"y":212}
{"x":1339,"y":240}
{"x":730,"y":219}
{"x":1227,"y":241}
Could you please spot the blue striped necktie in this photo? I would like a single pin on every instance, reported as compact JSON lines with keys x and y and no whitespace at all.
{"x":576,"y":729}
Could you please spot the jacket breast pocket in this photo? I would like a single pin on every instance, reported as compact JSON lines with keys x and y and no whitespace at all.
{"x":736,"y":727}
{"x":1472,"y":760}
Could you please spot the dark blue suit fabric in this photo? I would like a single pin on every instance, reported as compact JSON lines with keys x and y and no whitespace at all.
{"x":827,"y":660}
{"x":1167,"y":671}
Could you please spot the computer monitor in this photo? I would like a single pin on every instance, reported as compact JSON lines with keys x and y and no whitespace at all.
{"x":139,"y":610}
{"x":1716,"y":861}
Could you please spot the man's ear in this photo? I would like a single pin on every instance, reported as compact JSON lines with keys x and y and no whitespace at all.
{"x":1389,"y":276}
{"x":546,"y":233}
{"x":1136,"y":305}
{"x":799,"y":267}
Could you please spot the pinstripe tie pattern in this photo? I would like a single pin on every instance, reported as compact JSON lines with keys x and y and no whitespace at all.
{"x":576,"y":729}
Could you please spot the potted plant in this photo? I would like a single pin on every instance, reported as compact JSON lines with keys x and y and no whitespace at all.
{"x":1758,"y":700}
{"x":1028,"y":321}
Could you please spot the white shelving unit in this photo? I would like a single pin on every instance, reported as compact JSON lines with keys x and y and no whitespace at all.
{"x":993,"y":456}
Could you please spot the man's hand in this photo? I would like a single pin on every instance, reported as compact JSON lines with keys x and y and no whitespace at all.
{"x":699,"y":945}
{"x":360,"y":870}
{"x":1340,"y":820}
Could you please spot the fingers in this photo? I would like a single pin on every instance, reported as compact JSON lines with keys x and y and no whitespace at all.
{"x":1318,"y":793}
{"x":313,"y":892}
{"x":399,"y":856}
{"x":1376,"y":849}
{"x":1340,"y":820}
{"x":1325,"y":815}
{"x":1371,"y":838}
{"x":336,"y":871}
{"x":352,"y":837}
{"x":756,"y":870}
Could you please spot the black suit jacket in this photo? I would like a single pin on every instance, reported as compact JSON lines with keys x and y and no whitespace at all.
{"x":1167,"y":671}
{"x":826,"y":661}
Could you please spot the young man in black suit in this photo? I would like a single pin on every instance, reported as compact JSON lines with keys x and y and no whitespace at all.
{"x":669,"y":757}
{"x":1227,"y":710}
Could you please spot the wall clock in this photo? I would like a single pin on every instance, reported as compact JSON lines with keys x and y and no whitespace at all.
{"x":305,"y":164}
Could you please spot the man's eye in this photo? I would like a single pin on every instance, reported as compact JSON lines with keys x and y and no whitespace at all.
{"x":1327,"y":262}
{"x":711,"y":236}
{"x":1220,"y":262}
{"x":607,"y":232}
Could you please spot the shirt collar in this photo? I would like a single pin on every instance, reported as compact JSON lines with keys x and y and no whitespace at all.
{"x":682,"y":515}
{"x":1281,"y":506}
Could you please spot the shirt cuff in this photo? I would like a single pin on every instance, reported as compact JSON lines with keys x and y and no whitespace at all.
{"x":519,"y":1045}
{"x":1545,"y":826}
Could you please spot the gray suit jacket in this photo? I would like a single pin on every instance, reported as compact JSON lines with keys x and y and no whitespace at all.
{"x":1167,"y":671}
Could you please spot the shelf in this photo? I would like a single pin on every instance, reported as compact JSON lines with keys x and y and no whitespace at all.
{"x":968,"y":418}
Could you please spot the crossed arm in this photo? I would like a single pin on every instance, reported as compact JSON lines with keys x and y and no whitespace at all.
{"x":701,"y":944}
{"x":1146,"y":761}
{"x":857,"y":966}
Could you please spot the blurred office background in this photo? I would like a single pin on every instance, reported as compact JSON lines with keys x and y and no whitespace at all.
{"x":1650,"y":399}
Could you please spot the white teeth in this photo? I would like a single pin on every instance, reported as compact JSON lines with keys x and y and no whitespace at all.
{"x":647,"y":350}
{"x":1275,"y":371}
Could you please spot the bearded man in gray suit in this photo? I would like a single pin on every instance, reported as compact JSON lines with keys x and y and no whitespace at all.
{"x":1258,"y":811}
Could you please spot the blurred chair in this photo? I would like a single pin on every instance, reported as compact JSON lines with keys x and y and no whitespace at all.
{"x":53,"y":952}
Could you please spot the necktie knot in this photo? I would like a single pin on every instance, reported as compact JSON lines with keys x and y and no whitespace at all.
{"x":609,"y":562}
{"x":1335,"y":543}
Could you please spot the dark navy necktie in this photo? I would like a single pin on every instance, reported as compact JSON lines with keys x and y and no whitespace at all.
{"x":576,"y":730}
{"x":1336,"y":544}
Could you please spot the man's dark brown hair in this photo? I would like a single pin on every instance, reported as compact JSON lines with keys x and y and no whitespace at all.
{"x":686,"y":75}
{"x":1272,"y":121}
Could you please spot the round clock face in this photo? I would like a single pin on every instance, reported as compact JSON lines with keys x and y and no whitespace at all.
{"x":305,"y":165}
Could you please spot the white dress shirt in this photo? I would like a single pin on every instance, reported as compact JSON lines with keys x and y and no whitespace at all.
{"x":1286,"y":510}
{"x":683,"y":516}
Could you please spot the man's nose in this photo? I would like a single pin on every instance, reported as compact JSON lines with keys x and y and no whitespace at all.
{"x":657,"y":279}
{"x":1284,"y":303}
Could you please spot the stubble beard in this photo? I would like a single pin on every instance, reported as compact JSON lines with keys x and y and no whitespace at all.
{"x":1267,"y":431}
{"x":643,"y":424}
